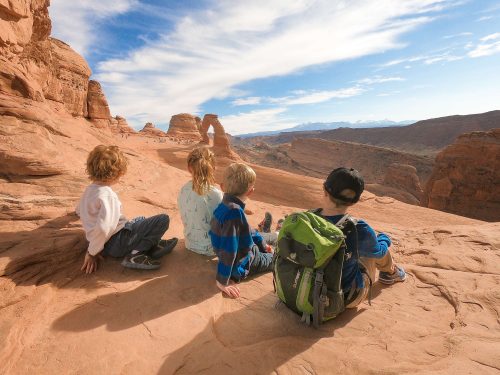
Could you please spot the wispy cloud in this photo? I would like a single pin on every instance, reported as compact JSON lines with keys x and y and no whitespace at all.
{"x":257,"y":120}
{"x":442,"y":58}
{"x":314,"y":97}
{"x":77,"y":22}
{"x":379,"y":79}
{"x":488,"y":46}
{"x":459,"y":35}
{"x":484,"y":18}
{"x":251,"y":100}
{"x":425,"y":59}
{"x":211,"y":51}
{"x":490,"y":37}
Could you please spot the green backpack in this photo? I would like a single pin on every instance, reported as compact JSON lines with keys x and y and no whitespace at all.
{"x":308,"y":265}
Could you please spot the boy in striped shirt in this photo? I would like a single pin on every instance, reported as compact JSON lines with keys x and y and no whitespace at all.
{"x":241,"y":250}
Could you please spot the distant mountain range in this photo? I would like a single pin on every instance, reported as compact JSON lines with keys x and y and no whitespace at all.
{"x":425,"y":137}
{"x":319,"y":126}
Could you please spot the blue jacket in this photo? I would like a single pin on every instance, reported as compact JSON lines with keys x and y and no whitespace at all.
{"x":370,"y":245}
{"x":233,"y":240}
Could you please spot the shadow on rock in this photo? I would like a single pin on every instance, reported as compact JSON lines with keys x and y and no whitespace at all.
{"x":256,"y":339}
{"x":185,"y":279}
{"x":37,"y":256}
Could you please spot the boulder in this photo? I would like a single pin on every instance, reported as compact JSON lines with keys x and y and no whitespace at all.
{"x":119,"y":125}
{"x":150,"y":130}
{"x":466,"y":177}
{"x":184,"y":126}
{"x":403,"y":177}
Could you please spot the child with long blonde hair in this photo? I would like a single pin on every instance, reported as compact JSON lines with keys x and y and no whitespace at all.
{"x":198,"y":199}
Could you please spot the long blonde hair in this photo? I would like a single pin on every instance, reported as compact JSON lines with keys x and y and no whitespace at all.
{"x":201,"y":164}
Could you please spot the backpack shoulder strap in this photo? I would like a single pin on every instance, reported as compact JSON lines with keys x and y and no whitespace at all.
{"x":316,"y":211}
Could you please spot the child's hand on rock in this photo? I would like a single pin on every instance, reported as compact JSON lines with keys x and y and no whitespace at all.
{"x":90,"y":263}
{"x":230,"y":290}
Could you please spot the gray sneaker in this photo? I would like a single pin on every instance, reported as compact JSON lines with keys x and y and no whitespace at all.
{"x":390,"y":278}
{"x":140,"y":261}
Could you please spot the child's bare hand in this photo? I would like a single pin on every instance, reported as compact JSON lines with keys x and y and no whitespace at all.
{"x":231,"y":290}
{"x":90,"y":263}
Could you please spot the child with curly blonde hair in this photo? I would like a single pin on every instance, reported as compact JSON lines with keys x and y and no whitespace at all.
{"x":198,"y":199}
{"x":106,"y":228}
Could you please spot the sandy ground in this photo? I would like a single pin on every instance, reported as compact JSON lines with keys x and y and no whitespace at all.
{"x":54,"y":320}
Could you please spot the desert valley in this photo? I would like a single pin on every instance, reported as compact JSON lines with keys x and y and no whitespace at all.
{"x":433,"y":186}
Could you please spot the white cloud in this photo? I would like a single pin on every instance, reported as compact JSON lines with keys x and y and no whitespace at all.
{"x":466,"y":33}
{"x":251,"y":100}
{"x":494,"y":36}
{"x":76,"y":22}
{"x":426,"y":59}
{"x":441,"y":58}
{"x":484,"y":18}
{"x":211,"y":51}
{"x":314,"y":97}
{"x":490,"y":45}
{"x":379,"y":79}
{"x":257,"y":120}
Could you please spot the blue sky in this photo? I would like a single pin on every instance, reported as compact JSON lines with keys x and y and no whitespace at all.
{"x":268,"y":65}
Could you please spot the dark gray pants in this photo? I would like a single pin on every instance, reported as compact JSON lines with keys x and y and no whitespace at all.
{"x":262,"y":262}
{"x":141,"y":235}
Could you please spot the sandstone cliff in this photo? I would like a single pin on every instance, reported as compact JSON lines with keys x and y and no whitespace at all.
{"x":466,"y":177}
{"x":43,"y":73}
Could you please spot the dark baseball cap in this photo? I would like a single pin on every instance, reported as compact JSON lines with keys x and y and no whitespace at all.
{"x":341,"y":179}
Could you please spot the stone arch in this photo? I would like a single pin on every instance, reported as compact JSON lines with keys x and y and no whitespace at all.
{"x":221,"y":145}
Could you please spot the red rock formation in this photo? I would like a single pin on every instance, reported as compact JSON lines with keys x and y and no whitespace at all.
{"x":184,"y":126}
{"x":43,"y":69}
{"x":466,"y":177}
{"x":98,"y":107}
{"x":404,"y":177}
{"x":386,"y":172}
{"x":150,"y":130}
{"x":119,"y":125}
{"x":221,"y":142}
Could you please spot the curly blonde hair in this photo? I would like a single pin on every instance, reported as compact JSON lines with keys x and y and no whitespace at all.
{"x":201,"y":164}
{"x":238,"y":178}
{"x":106,"y":163}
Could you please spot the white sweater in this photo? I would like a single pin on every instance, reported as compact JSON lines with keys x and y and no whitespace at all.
{"x":101,"y":213}
{"x":196,"y":213}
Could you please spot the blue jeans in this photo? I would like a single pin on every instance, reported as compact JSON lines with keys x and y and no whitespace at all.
{"x":262,"y":262}
{"x":141,"y":235}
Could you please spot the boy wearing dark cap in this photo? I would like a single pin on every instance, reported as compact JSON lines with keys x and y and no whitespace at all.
{"x":342,"y":189}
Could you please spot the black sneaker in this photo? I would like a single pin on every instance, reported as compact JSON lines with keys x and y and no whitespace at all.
{"x":265,"y":224}
{"x":140,"y":261}
{"x":164,"y":247}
